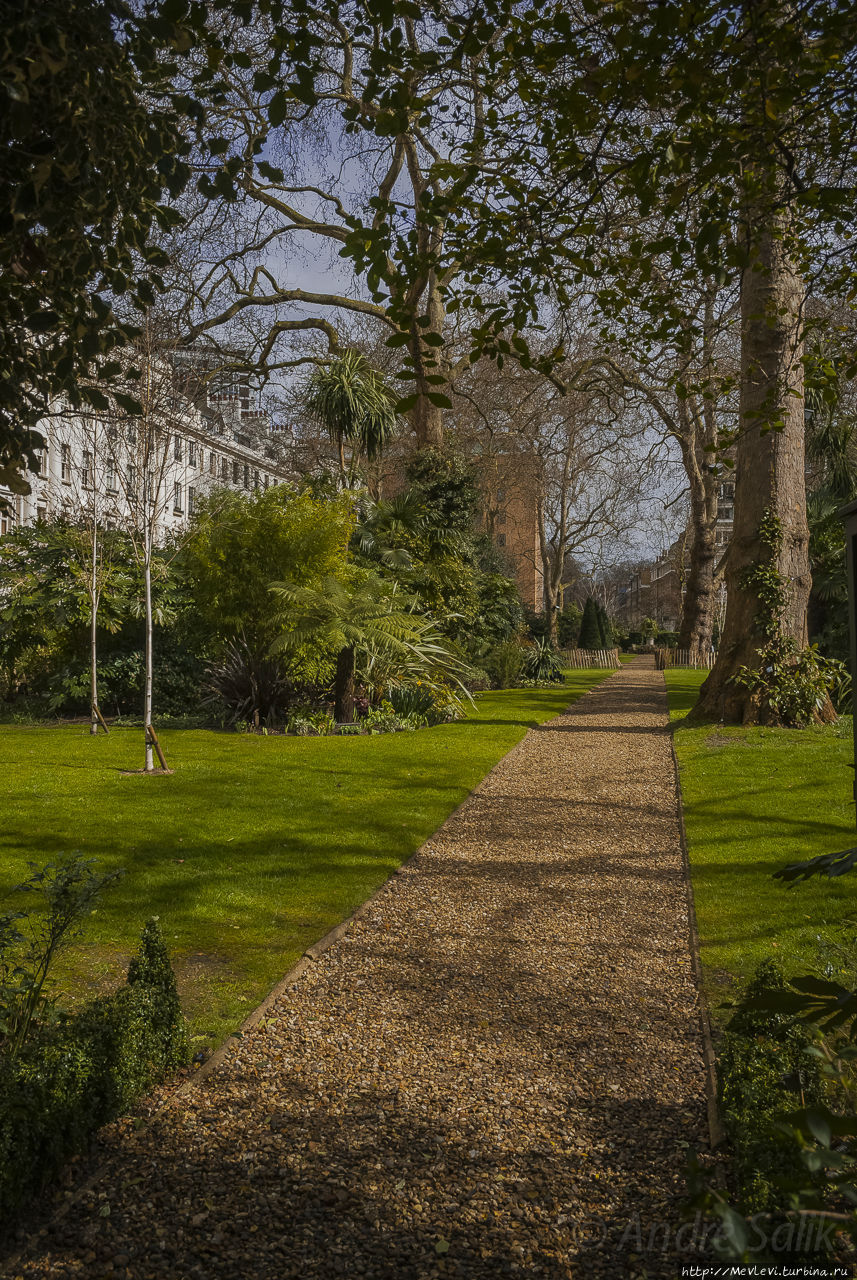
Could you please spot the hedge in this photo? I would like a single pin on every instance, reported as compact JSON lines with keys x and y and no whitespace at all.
{"x":87,"y":1069}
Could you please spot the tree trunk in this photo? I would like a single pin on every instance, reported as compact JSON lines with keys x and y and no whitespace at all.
{"x":343,"y":708}
{"x":697,"y":615}
{"x":427,"y":418}
{"x":551,"y":612}
{"x":340,"y":446}
{"x":93,"y":637}
{"x":769,"y":473}
{"x":553,"y":566}
{"x":147,"y":694}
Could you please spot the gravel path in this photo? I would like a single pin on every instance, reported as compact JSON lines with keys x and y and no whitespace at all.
{"x":496,"y":1071}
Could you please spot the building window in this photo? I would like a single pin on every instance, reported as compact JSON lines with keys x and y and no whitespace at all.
{"x":224,"y":468}
{"x":191,"y":452}
{"x":177,"y":499}
{"x":41,"y":514}
{"x":212,"y":463}
{"x":132,"y":477}
{"x":267,"y":480}
{"x":501,"y":517}
{"x":113,"y":433}
{"x":501,"y":495}
{"x":501,"y":539}
{"x":65,"y":463}
{"x":255,"y":479}
{"x":177,"y":449}
{"x":236,"y":473}
{"x":191,"y":495}
{"x":111,"y":476}
{"x":7,"y":521}
{"x":131,"y":433}
{"x":86,"y":469}
{"x":246,"y":476}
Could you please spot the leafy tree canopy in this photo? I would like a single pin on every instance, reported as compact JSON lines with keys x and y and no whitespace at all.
{"x":101,"y":104}
{"x":241,"y":543}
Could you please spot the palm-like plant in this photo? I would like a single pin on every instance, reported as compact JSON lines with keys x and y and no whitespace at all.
{"x":384,"y":525}
{"x":369,"y":621}
{"x":351,"y":619}
{"x":353,"y":403}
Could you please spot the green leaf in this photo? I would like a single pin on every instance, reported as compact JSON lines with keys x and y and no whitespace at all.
{"x":278,"y":109}
{"x":128,"y":403}
{"x":94,"y":398}
{"x":42,"y":321}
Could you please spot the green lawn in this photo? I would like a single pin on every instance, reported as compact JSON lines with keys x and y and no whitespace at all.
{"x":254,"y":847}
{"x":756,"y":799}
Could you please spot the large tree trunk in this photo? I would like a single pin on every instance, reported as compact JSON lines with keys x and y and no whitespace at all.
{"x":769,"y":474}
{"x":698,"y":606}
{"x":427,"y":418}
{"x":343,"y":706}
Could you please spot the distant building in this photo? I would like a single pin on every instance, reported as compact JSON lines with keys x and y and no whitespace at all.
{"x":511,"y":494}
{"x":656,"y":590}
{"x":197,"y":437}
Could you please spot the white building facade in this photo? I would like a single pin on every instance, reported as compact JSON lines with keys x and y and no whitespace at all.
{"x":115,"y":467}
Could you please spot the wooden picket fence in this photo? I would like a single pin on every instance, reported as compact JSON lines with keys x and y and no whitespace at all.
{"x":695,"y":658}
{"x":580,"y":658}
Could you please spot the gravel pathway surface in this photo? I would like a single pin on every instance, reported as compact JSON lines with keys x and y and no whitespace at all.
{"x":497,"y":1071}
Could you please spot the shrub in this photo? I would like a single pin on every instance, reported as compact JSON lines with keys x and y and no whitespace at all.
{"x":542,"y":663}
{"x":568,"y":626}
{"x":791,"y":686}
{"x":385,"y":719}
{"x":246,"y":684}
{"x":67,"y":890}
{"x":306,"y":722}
{"x":425,"y":704}
{"x":590,"y":627}
{"x":504,"y":664}
{"x":764,"y":1072}
{"x":86,"y":1069}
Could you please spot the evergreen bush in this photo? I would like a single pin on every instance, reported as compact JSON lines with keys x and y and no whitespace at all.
{"x":590,"y":628}
{"x":85,"y":1069}
{"x":765,"y":1072}
{"x":505,"y":663}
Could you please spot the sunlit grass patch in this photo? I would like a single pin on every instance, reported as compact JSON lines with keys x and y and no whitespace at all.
{"x":756,"y":799}
{"x":254,"y":847}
